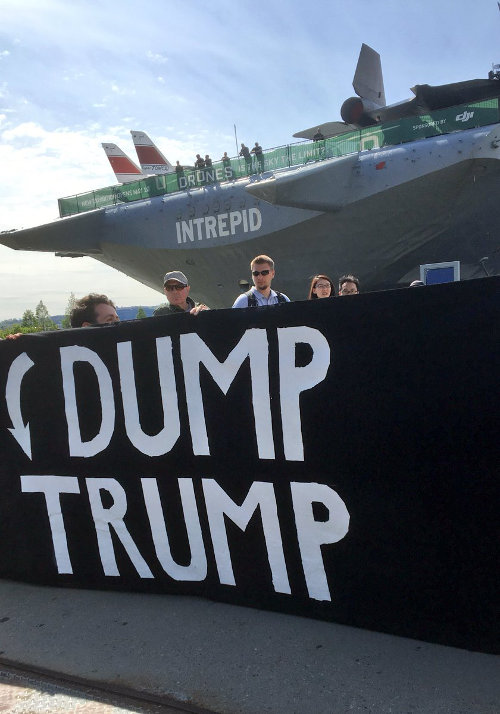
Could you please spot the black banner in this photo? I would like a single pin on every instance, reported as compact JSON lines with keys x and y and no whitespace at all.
{"x":334,"y":458}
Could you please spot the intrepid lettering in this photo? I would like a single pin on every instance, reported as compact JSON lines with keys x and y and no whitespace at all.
{"x":225,"y":224}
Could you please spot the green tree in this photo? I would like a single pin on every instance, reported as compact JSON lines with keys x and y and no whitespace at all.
{"x":65,"y":322}
{"x":140,"y":314}
{"x":14,"y":329}
{"x":29,"y":319}
{"x":43,"y":321}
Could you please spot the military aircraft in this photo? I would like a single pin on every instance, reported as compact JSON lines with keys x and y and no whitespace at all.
{"x":152,"y":161}
{"x":376,"y":201}
{"x":124,"y":168}
{"x":368,"y":108}
{"x":150,"y":157}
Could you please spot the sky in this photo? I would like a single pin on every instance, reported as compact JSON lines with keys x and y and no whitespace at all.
{"x":75,"y":74}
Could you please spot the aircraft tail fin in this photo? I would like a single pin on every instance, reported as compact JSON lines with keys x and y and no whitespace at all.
{"x":125,"y":169}
{"x":150,"y":157}
{"x":368,"y":81}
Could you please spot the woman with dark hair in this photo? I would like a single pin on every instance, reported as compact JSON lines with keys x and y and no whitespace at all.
{"x":321,"y":287}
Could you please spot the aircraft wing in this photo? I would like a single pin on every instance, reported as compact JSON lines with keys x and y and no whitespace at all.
{"x":330,"y":128}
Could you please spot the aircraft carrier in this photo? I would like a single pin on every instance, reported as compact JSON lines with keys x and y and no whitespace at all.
{"x":391,"y":188}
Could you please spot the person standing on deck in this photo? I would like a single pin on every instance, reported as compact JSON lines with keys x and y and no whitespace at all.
{"x":257,"y":150}
{"x":179,"y":170}
{"x":245,"y":152}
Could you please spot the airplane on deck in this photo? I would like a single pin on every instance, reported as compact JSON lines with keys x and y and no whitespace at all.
{"x":150,"y":157}
{"x":124,"y":168}
{"x":368,"y":108}
{"x":152,"y":161}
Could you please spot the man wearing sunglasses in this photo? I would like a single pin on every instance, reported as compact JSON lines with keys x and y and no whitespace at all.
{"x":176,"y":288}
{"x":261,"y":294}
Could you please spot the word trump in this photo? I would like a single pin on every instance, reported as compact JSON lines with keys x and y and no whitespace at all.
{"x":311,"y":534}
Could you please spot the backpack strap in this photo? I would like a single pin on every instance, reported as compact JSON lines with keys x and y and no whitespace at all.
{"x":252,"y":300}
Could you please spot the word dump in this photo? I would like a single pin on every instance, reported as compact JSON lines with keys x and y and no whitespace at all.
{"x":311,"y":534}
{"x":225,"y":224}
{"x":194,"y":352}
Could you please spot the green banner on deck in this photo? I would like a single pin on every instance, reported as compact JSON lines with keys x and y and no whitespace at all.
{"x":445,"y":121}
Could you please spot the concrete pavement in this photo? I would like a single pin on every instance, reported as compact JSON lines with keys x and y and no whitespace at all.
{"x":233,"y":660}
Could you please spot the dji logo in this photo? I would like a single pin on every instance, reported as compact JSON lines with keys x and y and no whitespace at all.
{"x":465,"y":116}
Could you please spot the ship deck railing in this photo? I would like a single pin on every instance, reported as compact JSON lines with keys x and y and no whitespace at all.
{"x":435,"y":123}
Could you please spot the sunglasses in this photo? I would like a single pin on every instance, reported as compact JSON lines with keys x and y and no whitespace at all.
{"x":260,"y":272}
{"x":174,"y":287}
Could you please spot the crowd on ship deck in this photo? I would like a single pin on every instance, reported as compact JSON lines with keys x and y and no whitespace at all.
{"x":245,"y":153}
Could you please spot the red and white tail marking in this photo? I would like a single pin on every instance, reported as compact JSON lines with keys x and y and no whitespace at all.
{"x":150,"y":157}
{"x":125,"y":169}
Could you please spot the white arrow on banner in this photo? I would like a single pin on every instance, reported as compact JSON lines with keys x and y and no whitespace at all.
{"x":20,"y":431}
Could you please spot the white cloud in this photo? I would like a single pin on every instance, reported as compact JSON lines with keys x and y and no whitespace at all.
{"x":43,"y":166}
{"x":157,"y":58}
{"x":4,"y":53}
{"x":74,"y":76}
{"x":122,"y":91}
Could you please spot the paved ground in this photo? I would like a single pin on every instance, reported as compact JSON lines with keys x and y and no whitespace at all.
{"x":188,"y":653}
{"x":26,"y":693}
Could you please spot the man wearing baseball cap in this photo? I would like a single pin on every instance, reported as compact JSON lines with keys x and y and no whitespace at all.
{"x":176,"y":288}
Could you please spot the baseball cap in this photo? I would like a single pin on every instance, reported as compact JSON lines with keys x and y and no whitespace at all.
{"x":175,"y":275}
